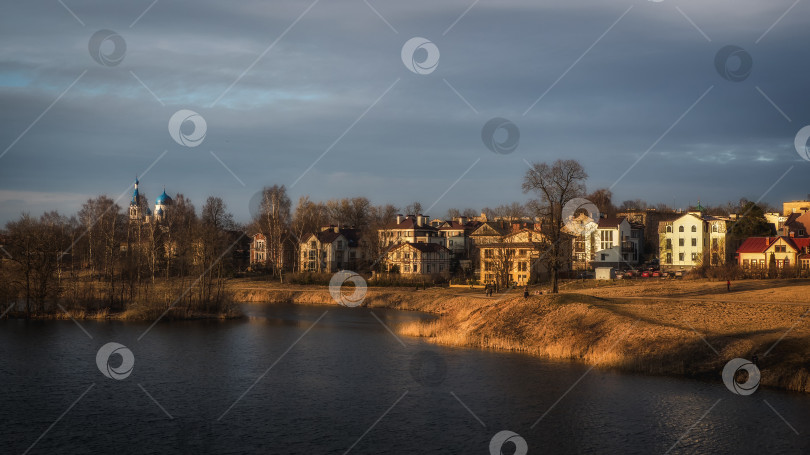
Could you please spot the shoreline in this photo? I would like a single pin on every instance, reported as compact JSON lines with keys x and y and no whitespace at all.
{"x":665,"y":328}
{"x":655,"y":327}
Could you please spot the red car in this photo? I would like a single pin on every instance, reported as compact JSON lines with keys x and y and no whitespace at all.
{"x":645,"y":274}
{"x":656,"y":273}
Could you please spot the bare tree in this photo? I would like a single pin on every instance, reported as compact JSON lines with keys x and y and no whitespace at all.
{"x":555,"y":185}
{"x":273,"y":220}
{"x":414,"y":208}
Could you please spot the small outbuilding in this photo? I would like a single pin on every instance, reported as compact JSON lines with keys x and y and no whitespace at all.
{"x":605,"y":273}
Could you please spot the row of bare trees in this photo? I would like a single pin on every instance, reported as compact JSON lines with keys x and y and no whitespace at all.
{"x":100,"y":260}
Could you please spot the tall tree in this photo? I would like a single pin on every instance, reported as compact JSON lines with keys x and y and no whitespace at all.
{"x":273,"y":220}
{"x":554,"y":185}
{"x":603,"y":199}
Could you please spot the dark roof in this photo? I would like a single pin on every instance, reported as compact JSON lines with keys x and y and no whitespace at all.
{"x":408,"y":223}
{"x":423,"y":247}
{"x":612,"y":222}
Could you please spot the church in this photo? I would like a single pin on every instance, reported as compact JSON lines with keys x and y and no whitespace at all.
{"x":139,"y":208}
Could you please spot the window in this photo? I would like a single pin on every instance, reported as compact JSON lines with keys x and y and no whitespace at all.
{"x":487,"y":253}
{"x":694,"y":241}
{"x":745,"y":263}
{"x":407,"y":268}
{"x":694,"y":228}
{"x":669,"y":228}
{"x":606,"y":238}
{"x":715,"y":243}
{"x":680,"y":228}
{"x":428,"y":268}
{"x":680,"y":242}
{"x":669,"y":244}
{"x":714,"y":228}
{"x":680,"y":257}
{"x":669,"y":258}
{"x":694,"y":256}
{"x":604,"y":257}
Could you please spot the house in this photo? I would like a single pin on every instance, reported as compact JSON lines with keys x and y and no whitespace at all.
{"x":774,"y":252}
{"x":409,"y":229}
{"x":330,"y":250}
{"x":457,"y":235}
{"x":258,"y":249}
{"x":515,"y":259}
{"x":614,"y":243}
{"x":417,"y":259}
{"x":649,"y":219}
{"x":692,"y":240}
{"x":795,"y":207}
{"x":796,"y":225}
{"x":264,"y":255}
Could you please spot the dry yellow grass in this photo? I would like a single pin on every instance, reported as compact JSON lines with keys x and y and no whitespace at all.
{"x":664,"y":327}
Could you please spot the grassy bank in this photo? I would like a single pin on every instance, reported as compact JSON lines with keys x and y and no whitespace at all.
{"x":90,"y":299}
{"x":653,"y":327}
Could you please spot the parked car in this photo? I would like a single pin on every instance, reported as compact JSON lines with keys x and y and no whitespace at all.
{"x":679,"y":274}
{"x":656,"y":273}
{"x":645,"y":274}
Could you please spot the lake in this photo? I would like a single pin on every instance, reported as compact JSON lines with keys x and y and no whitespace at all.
{"x":274,"y":383}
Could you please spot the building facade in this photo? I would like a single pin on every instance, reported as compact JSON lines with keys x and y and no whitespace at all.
{"x":693,"y":240}
{"x":417,"y":259}
{"x":330,"y":250}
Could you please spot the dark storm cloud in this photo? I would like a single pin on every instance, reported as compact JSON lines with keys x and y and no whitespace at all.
{"x":329,"y":68}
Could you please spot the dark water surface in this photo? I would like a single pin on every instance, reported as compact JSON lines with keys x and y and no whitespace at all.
{"x":349,"y":384}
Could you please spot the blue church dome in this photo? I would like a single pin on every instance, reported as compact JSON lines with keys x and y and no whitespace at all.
{"x":163,"y":199}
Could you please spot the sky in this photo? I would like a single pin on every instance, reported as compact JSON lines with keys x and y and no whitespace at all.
{"x":318,"y":96}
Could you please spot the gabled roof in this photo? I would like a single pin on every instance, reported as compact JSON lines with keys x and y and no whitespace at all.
{"x":798,"y":243}
{"x":613,"y":222}
{"x":762,"y":244}
{"x":489,"y":225}
{"x":422,"y":247}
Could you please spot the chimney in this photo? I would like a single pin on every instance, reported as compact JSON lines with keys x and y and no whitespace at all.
{"x":399,"y":218}
{"x":419,"y":220}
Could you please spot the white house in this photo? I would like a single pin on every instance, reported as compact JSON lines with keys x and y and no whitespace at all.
{"x":692,"y":240}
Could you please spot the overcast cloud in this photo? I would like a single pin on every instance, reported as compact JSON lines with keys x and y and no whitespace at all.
{"x":269,"y":122}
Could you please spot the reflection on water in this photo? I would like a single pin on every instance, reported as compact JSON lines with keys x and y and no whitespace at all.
{"x":262,"y":385}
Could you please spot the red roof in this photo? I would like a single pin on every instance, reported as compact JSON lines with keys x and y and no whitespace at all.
{"x":760,"y":244}
{"x":756,"y":244}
